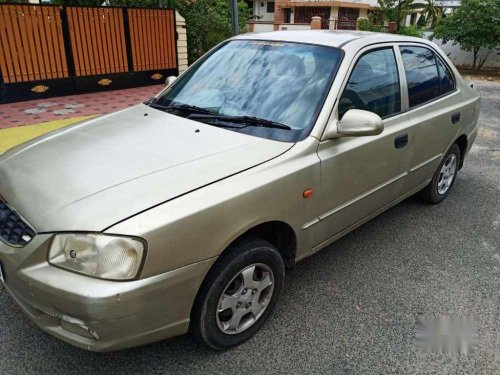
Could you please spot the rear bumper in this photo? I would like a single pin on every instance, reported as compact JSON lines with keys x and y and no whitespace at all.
{"x":99,"y":315}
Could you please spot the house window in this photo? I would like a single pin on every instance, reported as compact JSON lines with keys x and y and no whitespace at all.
{"x":413,"y":19}
{"x":304,"y":14}
{"x":288,"y":15}
{"x":270,"y":7}
{"x":348,"y":14}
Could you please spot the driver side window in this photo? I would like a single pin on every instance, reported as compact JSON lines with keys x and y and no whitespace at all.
{"x":373,"y":85}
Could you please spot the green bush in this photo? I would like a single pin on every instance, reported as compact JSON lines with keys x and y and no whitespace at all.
{"x":367,"y":25}
{"x":410,"y":31}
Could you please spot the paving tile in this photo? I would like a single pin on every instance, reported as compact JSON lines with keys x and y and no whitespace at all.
{"x":47,"y":104}
{"x":74,"y":105}
{"x":65,"y":111}
{"x":35,"y":110}
{"x":16,"y":114}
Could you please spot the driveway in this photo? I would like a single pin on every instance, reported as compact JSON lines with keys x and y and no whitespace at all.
{"x":351,"y":308}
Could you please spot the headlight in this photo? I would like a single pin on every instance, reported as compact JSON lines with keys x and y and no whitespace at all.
{"x":98,"y":255}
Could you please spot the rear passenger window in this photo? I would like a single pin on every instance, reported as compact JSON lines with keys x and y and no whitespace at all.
{"x":445,"y":77}
{"x":373,"y":85}
{"x":421,"y":74}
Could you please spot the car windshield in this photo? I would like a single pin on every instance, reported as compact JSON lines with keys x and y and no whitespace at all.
{"x":282,"y":84}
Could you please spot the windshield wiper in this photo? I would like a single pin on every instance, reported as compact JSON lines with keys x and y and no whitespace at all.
{"x":199,"y":113}
{"x":181,"y":107}
{"x":246,"y":120}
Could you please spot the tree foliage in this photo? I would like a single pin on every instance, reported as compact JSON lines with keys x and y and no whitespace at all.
{"x":387,"y":11}
{"x":208,"y":22}
{"x":474,"y":25}
{"x":431,"y":14}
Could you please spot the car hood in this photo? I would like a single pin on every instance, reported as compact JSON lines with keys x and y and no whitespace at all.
{"x":92,"y":175}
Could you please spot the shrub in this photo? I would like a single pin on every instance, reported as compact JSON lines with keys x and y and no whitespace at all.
{"x":410,"y":31}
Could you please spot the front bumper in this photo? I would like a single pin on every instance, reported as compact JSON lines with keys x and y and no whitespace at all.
{"x":99,"y":315}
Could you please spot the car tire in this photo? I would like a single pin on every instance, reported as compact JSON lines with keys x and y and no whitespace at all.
{"x":234,"y":300}
{"x":444,"y":177}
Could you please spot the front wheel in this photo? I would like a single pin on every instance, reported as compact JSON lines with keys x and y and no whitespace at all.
{"x":443,"y":179}
{"x":238,"y":295}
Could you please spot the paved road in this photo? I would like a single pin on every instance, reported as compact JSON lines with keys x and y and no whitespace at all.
{"x":351,"y":308}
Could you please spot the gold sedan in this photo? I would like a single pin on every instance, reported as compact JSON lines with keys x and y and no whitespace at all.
{"x":182,"y":213}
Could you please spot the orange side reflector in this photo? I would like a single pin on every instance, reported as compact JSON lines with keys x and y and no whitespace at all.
{"x":307,"y":193}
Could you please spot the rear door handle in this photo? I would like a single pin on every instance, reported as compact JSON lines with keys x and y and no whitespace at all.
{"x":455,"y":118}
{"x":401,"y":141}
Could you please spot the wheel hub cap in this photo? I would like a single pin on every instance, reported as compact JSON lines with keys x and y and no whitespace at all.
{"x":447,"y":174}
{"x":245,"y":298}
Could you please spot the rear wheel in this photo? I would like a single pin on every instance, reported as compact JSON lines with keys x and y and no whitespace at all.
{"x":443,"y":179}
{"x":238,"y":295}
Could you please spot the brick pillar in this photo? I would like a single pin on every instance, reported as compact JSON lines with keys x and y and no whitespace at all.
{"x":182,"y":53}
{"x":279,"y":14}
{"x":316,"y":23}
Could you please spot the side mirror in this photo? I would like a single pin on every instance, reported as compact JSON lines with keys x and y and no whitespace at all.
{"x":170,"y":80}
{"x":356,"y":123}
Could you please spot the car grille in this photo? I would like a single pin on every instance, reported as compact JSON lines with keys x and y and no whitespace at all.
{"x":13,"y":229}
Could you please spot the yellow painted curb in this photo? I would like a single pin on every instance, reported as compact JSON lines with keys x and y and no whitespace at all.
{"x":11,"y":137}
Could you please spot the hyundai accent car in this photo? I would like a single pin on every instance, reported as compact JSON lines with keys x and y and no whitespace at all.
{"x":181,"y":214}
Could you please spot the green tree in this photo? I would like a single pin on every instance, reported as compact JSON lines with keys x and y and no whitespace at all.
{"x":208,"y":22}
{"x":474,"y":25}
{"x":430,"y":13}
{"x":387,"y":10}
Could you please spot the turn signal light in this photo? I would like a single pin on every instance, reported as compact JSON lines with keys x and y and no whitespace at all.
{"x":307,"y":193}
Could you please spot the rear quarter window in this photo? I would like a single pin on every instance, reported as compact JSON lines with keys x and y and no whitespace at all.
{"x":446,"y":79}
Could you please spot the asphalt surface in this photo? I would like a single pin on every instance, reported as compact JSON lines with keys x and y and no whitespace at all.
{"x":351,"y":308}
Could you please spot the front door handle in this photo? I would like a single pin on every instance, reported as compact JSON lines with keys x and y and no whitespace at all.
{"x":401,"y":141}
{"x":455,"y":117}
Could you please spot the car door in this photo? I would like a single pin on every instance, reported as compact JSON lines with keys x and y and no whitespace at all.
{"x":362,"y":175}
{"x":434,"y":109}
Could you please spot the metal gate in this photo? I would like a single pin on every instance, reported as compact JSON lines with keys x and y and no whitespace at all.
{"x":47,"y":50}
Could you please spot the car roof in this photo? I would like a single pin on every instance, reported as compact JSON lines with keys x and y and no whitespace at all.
{"x":331,"y":38}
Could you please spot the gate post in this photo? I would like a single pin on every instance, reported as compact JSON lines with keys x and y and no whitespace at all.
{"x":315,"y":23}
{"x":128,"y":40}
{"x":67,"y":42}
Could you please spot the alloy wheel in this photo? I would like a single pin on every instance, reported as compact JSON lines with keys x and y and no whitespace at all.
{"x":245,"y":298}
{"x":447,"y":174}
